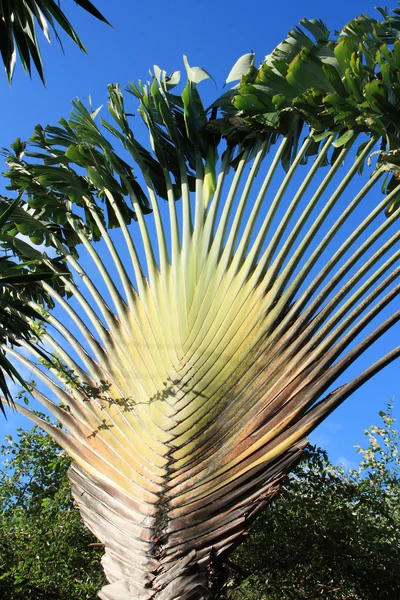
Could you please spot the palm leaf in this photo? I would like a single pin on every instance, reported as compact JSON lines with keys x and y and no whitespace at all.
{"x":190,"y":378}
{"x":18,"y":22}
{"x":22,"y":269}
{"x":337,"y":85}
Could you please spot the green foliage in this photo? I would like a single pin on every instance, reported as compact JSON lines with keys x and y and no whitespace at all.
{"x":343,"y":84}
{"x":331,"y":533}
{"x":18,"y":23}
{"x":45,"y":550}
{"x":22,"y":270}
{"x":75,"y":169}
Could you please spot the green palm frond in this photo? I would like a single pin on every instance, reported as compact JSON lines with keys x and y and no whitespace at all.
{"x":18,"y":22}
{"x":345,"y":86}
{"x":22,"y":270}
{"x":233,"y":298}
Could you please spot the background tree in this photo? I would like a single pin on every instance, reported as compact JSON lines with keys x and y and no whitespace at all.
{"x":45,"y":550}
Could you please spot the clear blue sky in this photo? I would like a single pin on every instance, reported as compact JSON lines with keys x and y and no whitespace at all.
{"x":213,"y":34}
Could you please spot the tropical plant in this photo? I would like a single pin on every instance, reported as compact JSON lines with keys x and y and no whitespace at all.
{"x":18,"y":20}
{"x":191,"y":372}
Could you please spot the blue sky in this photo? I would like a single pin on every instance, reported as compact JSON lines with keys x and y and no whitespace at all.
{"x":213,"y":35}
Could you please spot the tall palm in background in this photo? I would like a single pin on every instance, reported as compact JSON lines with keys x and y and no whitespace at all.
{"x":199,"y":346}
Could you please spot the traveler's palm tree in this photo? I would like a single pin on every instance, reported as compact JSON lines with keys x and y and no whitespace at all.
{"x":201,"y":343}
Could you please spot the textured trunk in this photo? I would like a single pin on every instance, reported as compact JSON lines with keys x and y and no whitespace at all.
{"x":152,"y":554}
